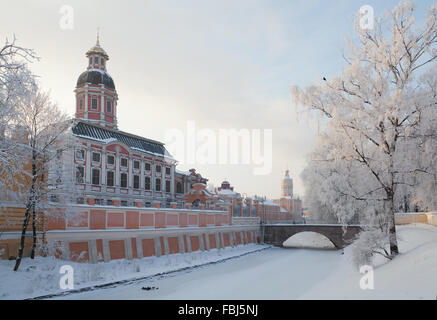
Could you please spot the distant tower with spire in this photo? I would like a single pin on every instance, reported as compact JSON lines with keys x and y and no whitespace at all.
{"x":287,"y":185}
{"x":96,"y":97}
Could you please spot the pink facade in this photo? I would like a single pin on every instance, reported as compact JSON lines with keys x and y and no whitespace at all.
{"x":107,"y":233}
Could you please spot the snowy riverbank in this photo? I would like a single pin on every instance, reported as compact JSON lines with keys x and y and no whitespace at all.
{"x":412,"y":275}
{"x":41,"y":276}
{"x":275,"y":273}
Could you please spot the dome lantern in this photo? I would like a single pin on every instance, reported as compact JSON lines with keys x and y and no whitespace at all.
{"x":95,"y":90}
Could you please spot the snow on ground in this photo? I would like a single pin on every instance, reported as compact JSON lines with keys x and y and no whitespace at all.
{"x":309,"y":239}
{"x":41,"y":276}
{"x":275,"y":273}
{"x":296,"y":273}
{"x":411,"y":275}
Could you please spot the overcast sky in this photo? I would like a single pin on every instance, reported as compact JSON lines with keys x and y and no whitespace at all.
{"x":223,"y":64}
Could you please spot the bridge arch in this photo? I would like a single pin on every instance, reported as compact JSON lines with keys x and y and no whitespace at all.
{"x":339,"y":235}
{"x":309,"y":239}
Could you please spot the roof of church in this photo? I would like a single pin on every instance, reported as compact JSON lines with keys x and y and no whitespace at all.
{"x":105,"y":135}
{"x":95,"y":76}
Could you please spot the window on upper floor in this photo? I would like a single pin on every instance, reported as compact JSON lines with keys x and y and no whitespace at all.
{"x":179,"y":188}
{"x":123,"y":162}
{"x":96,"y":60}
{"x":136,"y":181}
{"x":136,"y":164}
{"x":80,"y":103}
{"x":123,"y":180}
{"x":147,"y":183}
{"x":102,"y":62}
{"x":96,"y":176}
{"x":94,"y":103}
{"x":167,"y":186}
{"x":80,"y":174}
{"x":80,"y":154}
{"x":158,"y":168}
{"x":110,"y":159}
{"x":110,"y":178}
{"x":109,"y":106}
{"x":147,"y":166}
{"x":123,"y":203}
{"x":96,"y":157}
{"x":158,"y":184}
{"x":167,"y":170}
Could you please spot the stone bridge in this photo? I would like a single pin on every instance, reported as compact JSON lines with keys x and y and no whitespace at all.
{"x":339,"y":235}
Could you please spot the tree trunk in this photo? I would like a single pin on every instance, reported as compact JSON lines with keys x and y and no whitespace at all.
{"x":23,"y":233}
{"x":394,"y":250}
{"x":30,"y":204}
{"x":32,"y":254}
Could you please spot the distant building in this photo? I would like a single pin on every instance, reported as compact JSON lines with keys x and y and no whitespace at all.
{"x":288,"y":201}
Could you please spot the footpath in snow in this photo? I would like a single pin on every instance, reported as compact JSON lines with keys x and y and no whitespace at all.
{"x":41,"y":276}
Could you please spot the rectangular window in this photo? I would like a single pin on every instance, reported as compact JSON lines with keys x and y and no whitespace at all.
{"x":123,"y":203}
{"x":96,"y":176}
{"x":96,"y":157}
{"x":136,"y":181}
{"x":111,"y":160}
{"x":167,"y":170}
{"x":80,"y":154}
{"x":94,"y":103}
{"x":109,"y":202}
{"x":158,"y":184}
{"x":80,"y":174}
{"x":80,"y":103}
{"x":147,"y":166}
{"x":110,"y":178}
{"x":136,"y":164}
{"x":158,"y":168}
{"x":108,"y":106}
{"x":98,"y":202}
{"x":123,"y":162}
{"x":167,"y":186}
{"x":147,"y":183}
{"x":123,"y":180}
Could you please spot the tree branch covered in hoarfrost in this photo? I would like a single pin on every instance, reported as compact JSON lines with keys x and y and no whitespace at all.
{"x":377,"y":148}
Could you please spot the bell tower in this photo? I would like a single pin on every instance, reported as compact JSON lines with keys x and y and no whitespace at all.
{"x":96,"y":97}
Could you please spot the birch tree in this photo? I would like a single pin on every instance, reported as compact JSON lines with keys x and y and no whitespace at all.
{"x":16,"y":83}
{"x":374,"y":113}
{"x":43,"y":125}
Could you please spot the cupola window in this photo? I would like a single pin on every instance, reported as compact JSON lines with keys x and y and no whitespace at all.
{"x":109,"y":106}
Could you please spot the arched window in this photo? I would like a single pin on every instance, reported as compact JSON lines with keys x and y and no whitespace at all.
{"x":179,"y":188}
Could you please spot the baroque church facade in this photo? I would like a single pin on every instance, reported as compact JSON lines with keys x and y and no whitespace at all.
{"x":114,"y":167}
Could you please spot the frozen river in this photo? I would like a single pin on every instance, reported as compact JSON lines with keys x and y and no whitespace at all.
{"x":275,"y":273}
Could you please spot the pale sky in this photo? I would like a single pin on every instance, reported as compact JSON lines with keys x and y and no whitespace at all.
{"x":223,"y":64}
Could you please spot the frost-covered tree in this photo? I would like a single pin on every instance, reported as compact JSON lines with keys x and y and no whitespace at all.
{"x":374,"y":113}
{"x":16,"y":83}
{"x":42,"y":125}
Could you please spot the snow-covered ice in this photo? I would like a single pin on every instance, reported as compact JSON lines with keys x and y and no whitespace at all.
{"x":273,"y":273}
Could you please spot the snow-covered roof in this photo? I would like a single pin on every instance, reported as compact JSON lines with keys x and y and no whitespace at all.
{"x":104,"y":135}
